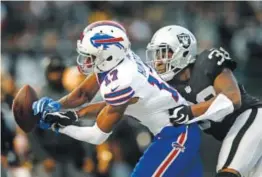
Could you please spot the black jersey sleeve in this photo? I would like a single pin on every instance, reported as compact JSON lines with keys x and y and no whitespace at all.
{"x":213,"y":61}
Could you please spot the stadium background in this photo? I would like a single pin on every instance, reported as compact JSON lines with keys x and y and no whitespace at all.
{"x":33,"y":31}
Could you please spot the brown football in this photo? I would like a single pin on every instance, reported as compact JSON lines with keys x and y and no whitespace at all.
{"x":22,"y":108}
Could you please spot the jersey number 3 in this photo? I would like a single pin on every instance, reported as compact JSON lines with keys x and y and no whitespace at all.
{"x":221,"y":54}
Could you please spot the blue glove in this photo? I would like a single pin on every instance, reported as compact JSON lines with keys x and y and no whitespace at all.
{"x":43,"y":125}
{"x":43,"y":106}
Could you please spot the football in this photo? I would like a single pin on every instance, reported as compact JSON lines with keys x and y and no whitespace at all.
{"x":22,"y":108}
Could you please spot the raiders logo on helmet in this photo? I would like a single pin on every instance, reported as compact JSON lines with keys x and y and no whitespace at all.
{"x":184,"y":39}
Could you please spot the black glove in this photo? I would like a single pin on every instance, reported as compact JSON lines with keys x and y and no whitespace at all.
{"x":61,"y":119}
{"x":180,"y":115}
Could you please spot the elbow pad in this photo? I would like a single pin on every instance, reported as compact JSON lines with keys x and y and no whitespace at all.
{"x":93,"y":135}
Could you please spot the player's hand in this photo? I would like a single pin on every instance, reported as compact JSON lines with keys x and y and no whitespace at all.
{"x":180,"y":115}
{"x":42,"y":107}
{"x":45,"y":105}
{"x":61,"y":119}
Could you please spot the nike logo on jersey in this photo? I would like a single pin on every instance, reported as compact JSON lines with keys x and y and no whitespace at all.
{"x":114,"y":89}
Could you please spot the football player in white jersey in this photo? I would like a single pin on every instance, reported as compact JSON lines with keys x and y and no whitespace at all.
{"x":130,"y":87}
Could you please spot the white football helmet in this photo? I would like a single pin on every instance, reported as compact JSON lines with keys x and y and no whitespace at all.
{"x":102,"y":46}
{"x":172,"y":48}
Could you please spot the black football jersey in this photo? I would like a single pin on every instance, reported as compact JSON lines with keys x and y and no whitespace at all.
{"x":209,"y":64}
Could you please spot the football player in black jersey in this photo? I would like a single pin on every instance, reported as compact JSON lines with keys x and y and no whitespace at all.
{"x":207,"y":81}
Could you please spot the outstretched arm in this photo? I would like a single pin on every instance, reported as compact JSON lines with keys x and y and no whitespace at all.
{"x":227,"y":100}
{"x":102,"y":129}
{"x":94,"y":108}
{"x":80,"y":95}
{"x":91,"y":110}
{"x":226,"y":84}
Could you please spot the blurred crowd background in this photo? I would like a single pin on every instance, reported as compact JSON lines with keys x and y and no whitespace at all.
{"x":38,"y":47}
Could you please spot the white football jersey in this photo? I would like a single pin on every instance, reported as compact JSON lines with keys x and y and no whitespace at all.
{"x":132,"y":78}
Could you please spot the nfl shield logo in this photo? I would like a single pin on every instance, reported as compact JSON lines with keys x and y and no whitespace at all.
{"x":188,"y":89}
{"x":184,"y":39}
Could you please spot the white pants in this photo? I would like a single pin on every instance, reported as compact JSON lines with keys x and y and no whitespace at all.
{"x":242,"y":147}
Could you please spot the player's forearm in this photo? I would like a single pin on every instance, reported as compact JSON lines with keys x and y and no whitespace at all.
{"x":97,"y":134}
{"x":83,"y":93}
{"x":74,"y":99}
{"x":220,"y":107}
{"x":91,"y":109}
{"x":235,"y":97}
{"x":226,"y":84}
{"x":93,"y":135}
{"x":109,"y":116}
{"x":200,"y":108}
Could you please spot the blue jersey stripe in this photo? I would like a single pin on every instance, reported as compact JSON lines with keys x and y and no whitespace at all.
{"x":118,"y":93}
{"x":121,"y":100}
{"x":162,"y":86}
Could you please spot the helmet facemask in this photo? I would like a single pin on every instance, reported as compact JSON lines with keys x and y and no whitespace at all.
{"x":168,"y":61}
{"x":86,"y":62}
